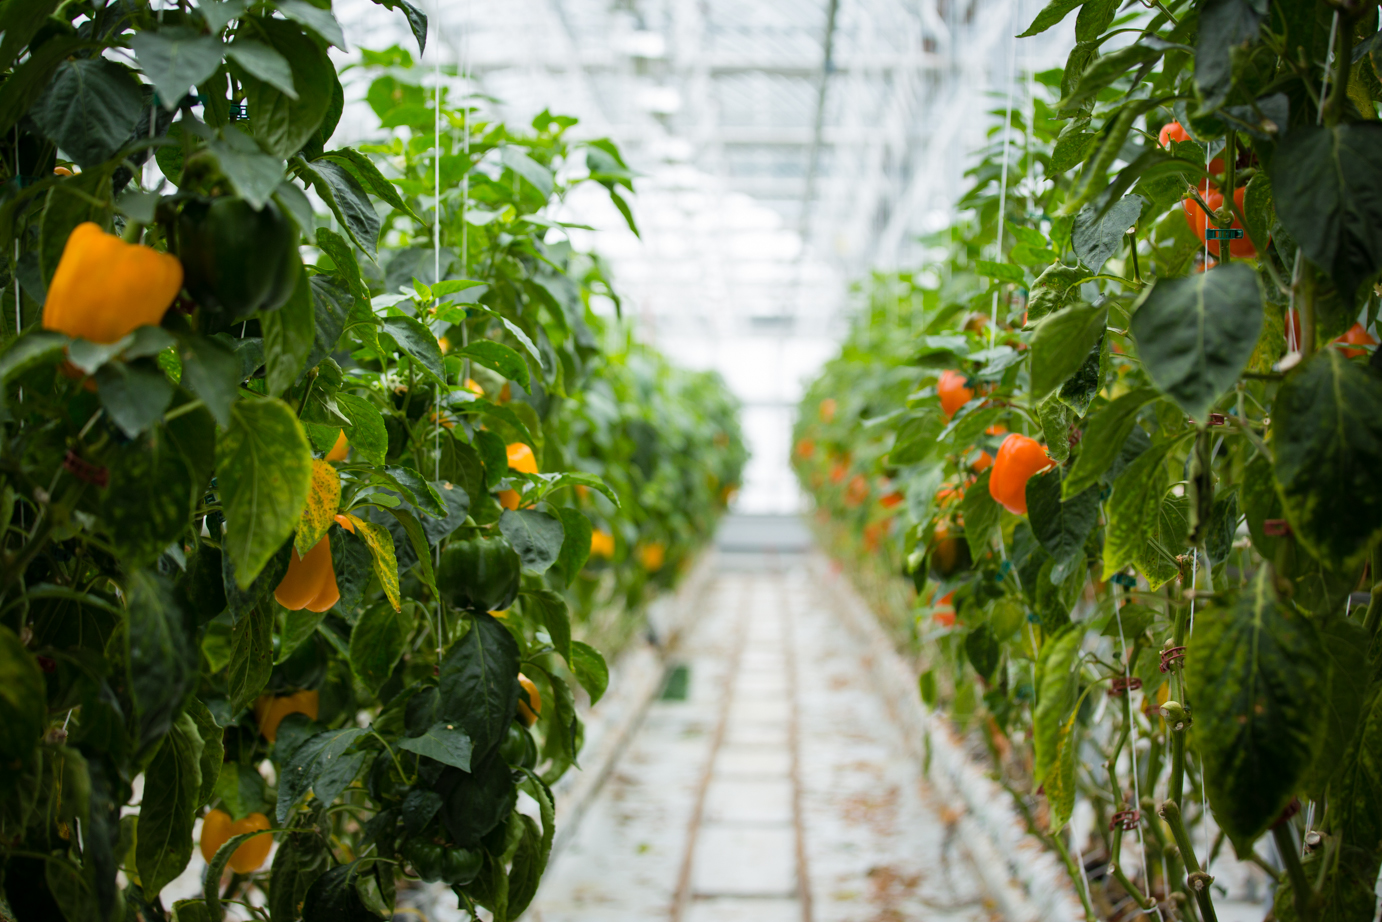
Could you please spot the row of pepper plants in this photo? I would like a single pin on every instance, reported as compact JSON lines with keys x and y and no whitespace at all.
{"x":305,"y":511}
{"x":1122,"y":441}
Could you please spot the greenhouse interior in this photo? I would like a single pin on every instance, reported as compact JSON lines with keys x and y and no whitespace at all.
{"x":612,"y":460}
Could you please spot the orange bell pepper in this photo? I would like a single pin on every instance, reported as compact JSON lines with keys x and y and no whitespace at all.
{"x":104,"y":287}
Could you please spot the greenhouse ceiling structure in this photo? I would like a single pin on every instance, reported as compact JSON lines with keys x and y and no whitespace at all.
{"x":786,"y":147}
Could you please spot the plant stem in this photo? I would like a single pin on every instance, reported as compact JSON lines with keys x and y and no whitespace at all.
{"x":1374,"y":615}
{"x":1338,"y":80}
{"x":1075,"y":876}
{"x":1290,"y":857}
{"x":1199,"y":881}
{"x":1176,"y":783}
{"x":1230,"y":158}
{"x":1305,"y":287}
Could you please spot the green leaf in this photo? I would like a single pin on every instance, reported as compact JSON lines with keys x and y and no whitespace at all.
{"x":1134,"y":508}
{"x":1256,"y":674}
{"x":284,"y":123}
{"x":241,"y":788}
{"x":20,"y":21}
{"x":23,"y":701}
{"x":89,"y":109}
{"x":1095,"y":16}
{"x":1344,"y":645}
{"x":255,"y":175}
{"x":551,"y":612}
{"x":417,"y":19}
{"x":384,"y":556}
{"x":314,"y":18}
{"x":172,"y":786}
{"x":422,"y":548}
{"x":590,"y":669}
{"x":1327,"y":184}
{"x":1104,"y":70}
{"x":982,"y":649}
{"x":500,"y":358}
{"x":443,"y":741}
{"x":478,"y":682}
{"x":176,"y":58}
{"x":1050,"y":15}
{"x":347,"y":200}
{"x":251,"y":656}
{"x":1061,"y":526}
{"x":334,"y":898}
{"x":916,"y":439}
{"x":369,"y":177}
{"x":263,"y":63}
{"x":323,"y":501}
{"x":213,"y":748}
{"x":1061,"y":344}
{"x":1104,"y":435}
{"x":1196,"y":334}
{"x":981,"y":514}
{"x":73,"y":201}
{"x":1096,"y":237}
{"x":366,"y":433}
{"x":377,"y":643}
{"x":1057,"y":680}
{"x":536,"y":536}
{"x":535,"y":173}
{"x":29,"y":80}
{"x":34,"y":348}
{"x":320,"y":764}
{"x":1224,"y":25}
{"x":1002,"y":272}
{"x":1327,"y":432}
{"x":418,"y":491}
{"x":1060,"y":784}
{"x":1356,"y":792}
{"x":301,"y":858}
{"x":264,"y":470}
{"x":1055,"y":418}
{"x":70,"y":890}
{"x":211,"y":371}
{"x":1258,"y":207}
{"x":575,"y":545}
{"x":288,"y":336}
{"x":135,"y":394}
{"x":347,"y":266}
{"x":151,"y":497}
{"x":161,"y":660}
{"x":418,"y":342}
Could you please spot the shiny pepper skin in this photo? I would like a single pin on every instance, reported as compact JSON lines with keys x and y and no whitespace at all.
{"x":1019,"y":457}
{"x":529,"y":701}
{"x":218,"y":828}
{"x":521,"y":458}
{"x":269,"y":710}
{"x":953,"y":392}
{"x":104,"y":287}
{"x":310,"y":582}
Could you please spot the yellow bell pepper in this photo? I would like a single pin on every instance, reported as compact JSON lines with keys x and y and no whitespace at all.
{"x":104,"y":287}
{"x":521,"y":458}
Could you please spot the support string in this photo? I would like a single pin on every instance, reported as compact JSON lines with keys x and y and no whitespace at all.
{"x":1132,"y":755}
{"x":1003,"y":178}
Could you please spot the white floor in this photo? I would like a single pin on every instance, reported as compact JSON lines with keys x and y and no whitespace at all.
{"x":778,"y":791}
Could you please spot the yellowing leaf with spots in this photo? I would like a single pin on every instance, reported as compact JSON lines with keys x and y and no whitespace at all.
{"x":385,"y":561}
{"x":323,"y":500}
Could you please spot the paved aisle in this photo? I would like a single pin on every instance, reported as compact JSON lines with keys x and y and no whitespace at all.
{"x":777,"y":790}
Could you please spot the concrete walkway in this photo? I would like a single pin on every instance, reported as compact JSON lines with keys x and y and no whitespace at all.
{"x":767,"y":783}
